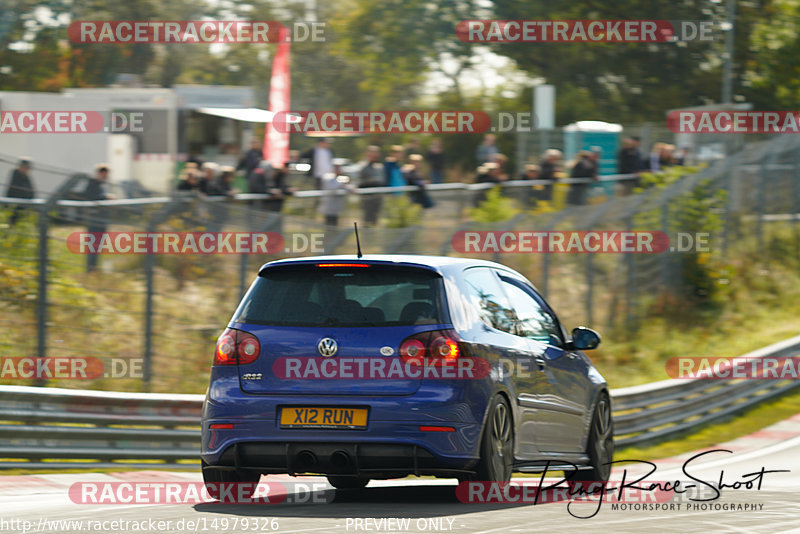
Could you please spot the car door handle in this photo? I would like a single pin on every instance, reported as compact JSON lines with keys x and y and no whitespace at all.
{"x":541,"y":362}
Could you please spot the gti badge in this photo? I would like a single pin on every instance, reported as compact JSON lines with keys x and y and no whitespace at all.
{"x":327,"y":347}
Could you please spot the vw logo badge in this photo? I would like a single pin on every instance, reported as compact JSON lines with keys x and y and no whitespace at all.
{"x":327,"y":347}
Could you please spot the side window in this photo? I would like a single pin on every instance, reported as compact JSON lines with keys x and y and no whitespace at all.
{"x":488,"y":299}
{"x":533,"y":321}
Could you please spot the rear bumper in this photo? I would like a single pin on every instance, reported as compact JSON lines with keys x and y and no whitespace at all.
{"x":371,"y":460}
{"x":251,"y":436}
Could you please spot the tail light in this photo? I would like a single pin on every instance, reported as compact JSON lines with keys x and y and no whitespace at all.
{"x":236,"y":347}
{"x":434,"y":346}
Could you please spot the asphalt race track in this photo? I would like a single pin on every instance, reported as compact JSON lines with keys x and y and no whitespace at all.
{"x":42,"y":503}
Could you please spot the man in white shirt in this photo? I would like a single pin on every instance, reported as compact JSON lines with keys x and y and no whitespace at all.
{"x":321,"y":160}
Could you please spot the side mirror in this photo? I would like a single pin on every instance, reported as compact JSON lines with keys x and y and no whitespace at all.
{"x":584,"y":339}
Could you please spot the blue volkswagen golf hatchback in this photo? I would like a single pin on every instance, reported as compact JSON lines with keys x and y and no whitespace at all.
{"x":386,"y":366}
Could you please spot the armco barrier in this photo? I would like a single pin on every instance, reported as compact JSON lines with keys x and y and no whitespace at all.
{"x":52,"y":428}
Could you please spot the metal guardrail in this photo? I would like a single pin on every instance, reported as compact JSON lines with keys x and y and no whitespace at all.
{"x":52,"y":428}
{"x":316,"y":193}
{"x":655,"y":412}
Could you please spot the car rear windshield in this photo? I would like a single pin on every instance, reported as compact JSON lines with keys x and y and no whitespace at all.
{"x":307,"y":295}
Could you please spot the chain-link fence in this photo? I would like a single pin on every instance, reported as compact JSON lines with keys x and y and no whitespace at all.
{"x":152,"y":318}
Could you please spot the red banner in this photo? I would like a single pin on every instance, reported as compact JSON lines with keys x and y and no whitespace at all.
{"x":276,"y":143}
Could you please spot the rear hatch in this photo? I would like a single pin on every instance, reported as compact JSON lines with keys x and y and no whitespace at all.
{"x":306,"y":313}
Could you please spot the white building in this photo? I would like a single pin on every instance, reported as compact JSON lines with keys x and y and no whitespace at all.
{"x":214,"y":123}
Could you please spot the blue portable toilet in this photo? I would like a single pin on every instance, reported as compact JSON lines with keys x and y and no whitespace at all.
{"x":588,"y":135}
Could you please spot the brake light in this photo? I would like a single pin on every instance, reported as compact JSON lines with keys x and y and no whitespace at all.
{"x":437,"y":346}
{"x":236,"y":347}
{"x":342,"y":265}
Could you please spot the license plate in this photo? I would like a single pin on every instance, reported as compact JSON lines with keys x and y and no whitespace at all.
{"x":321,"y":417}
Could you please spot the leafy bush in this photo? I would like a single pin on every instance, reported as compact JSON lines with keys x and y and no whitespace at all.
{"x":400,"y":212}
{"x":495,"y":208}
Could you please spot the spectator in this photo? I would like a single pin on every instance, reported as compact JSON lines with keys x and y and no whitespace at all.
{"x":391,"y":165}
{"x":372,"y":174}
{"x":629,"y":159}
{"x":413,"y":146}
{"x":321,"y":159}
{"x":97,"y":218}
{"x":333,"y":202}
{"x":220,"y":186}
{"x":655,"y":157}
{"x":413,"y":176}
{"x":682,"y":157}
{"x":208,"y":176}
{"x":585,"y":167}
{"x":250,"y":159}
{"x":20,"y":186}
{"x":502,"y":161}
{"x":488,"y":173}
{"x":194,"y":158}
{"x":278,"y":188}
{"x":223,"y":184}
{"x":189,"y":180}
{"x":666,"y":156}
{"x":531,"y":172}
{"x":435,"y":159}
{"x":487,"y":149}
{"x":550,"y":171}
{"x":257,"y":182}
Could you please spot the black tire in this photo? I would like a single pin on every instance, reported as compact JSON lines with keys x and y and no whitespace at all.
{"x":497,"y":443}
{"x":601,"y":444}
{"x":213,"y":477}
{"x":342,"y":482}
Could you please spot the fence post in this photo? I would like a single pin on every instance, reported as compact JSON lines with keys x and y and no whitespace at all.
{"x":629,"y":279}
{"x":796,"y":203}
{"x":589,"y":288}
{"x":149,"y":265}
{"x":43,"y":224}
{"x":666,"y":256}
{"x":545,"y":272}
{"x":41,"y":315}
{"x":727,"y":187}
{"x":760,"y":206}
{"x":178,"y":204}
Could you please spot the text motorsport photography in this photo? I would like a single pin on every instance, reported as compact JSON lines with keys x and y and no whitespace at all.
{"x":399,"y":266}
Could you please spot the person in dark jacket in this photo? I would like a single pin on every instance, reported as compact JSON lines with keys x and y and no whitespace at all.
{"x":488,"y":173}
{"x":20,"y":186}
{"x":278,"y":187}
{"x":435,"y":159}
{"x":629,"y":158}
{"x":412,"y":172}
{"x":250,"y":159}
{"x":372,"y":174}
{"x":629,"y":161}
{"x":585,"y":167}
{"x":97,"y":217}
{"x":549,"y":170}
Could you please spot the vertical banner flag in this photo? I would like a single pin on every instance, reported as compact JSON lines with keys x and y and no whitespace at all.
{"x":276,"y":143}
